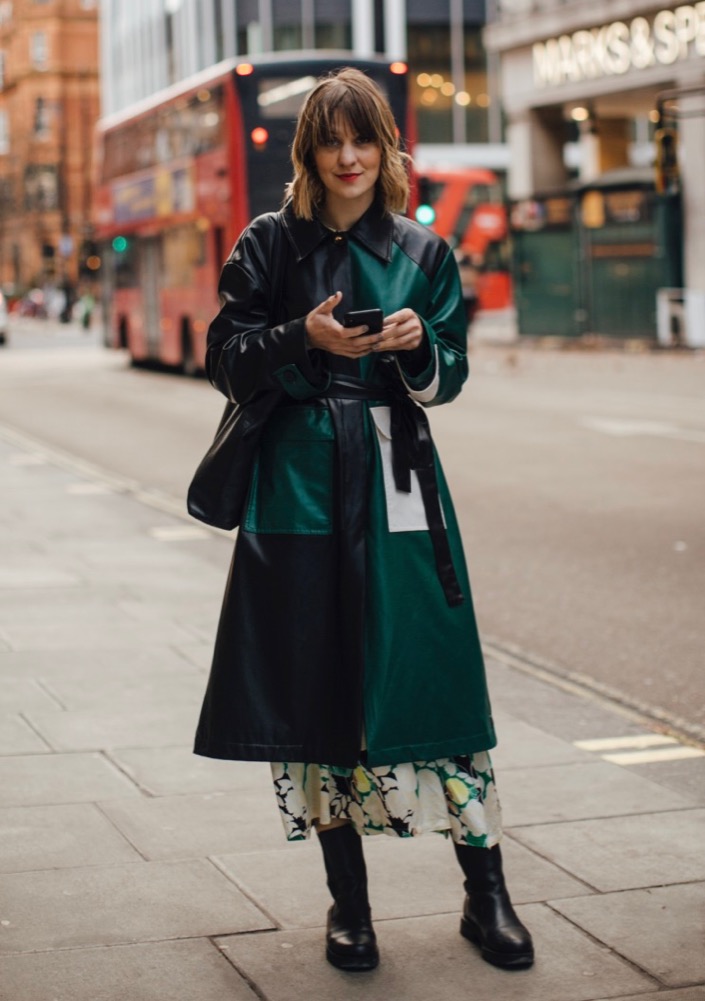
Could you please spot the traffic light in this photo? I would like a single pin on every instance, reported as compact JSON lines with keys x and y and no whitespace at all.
{"x":120,"y":244}
{"x":667,"y":173}
{"x":425,"y":212}
{"x":89,"y":259}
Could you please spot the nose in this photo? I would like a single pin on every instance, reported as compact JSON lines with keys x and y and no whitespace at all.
{"x":348,"y":153}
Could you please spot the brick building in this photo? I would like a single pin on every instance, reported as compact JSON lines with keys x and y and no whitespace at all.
{"x":49,"y":102}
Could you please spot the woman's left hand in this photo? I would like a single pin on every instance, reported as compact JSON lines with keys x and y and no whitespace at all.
{"x":402,"y":331}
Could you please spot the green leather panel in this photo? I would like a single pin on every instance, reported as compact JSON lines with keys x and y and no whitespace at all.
{"x":292,"y":483}
{"x":401,"y":282}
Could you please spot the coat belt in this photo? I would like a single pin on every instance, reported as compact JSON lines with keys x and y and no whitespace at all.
{"x":412,"y":448}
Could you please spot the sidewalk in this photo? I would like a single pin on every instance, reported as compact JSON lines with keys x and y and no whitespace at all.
{"x":131,"y":870}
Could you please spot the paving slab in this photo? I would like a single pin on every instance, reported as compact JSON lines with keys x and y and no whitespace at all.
{"x":524,"y":746}
{"x":90,"y":729}
{"x":662,"y":930}
{"x":97,"y":666}
{"x":552,"y":709}
{"x":56,"y":837}
{"x":422,"y":958}
{"x":199,"y":653}
{"x":75,"y":605}
{"x":202,"y":612}
{"x":127,"y":689}
{"x":90,"y":634}
{"x":190,"y":970}
{"x":18,"y":737}
{"x":110,"y":905}
{"x":37,"y":572}
{"x":48,"y":779}
{"x":22,"y":694}
{"x":407,"y":876}
{"x":685,"y":777}
{"x":131,"y":554}
{"x":689,"y":994}
{"x":174,"y":827}
{"x":625,"y":853}
{"x":579,"y":790}
{"x":170,"y":771}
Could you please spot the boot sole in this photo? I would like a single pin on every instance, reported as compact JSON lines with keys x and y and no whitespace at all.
{"x":352,"y":964}
{"x":506,"y":961}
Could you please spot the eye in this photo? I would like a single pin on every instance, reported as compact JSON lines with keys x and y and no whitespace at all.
{"x":364,"y":140}
{"x":331,"y":143}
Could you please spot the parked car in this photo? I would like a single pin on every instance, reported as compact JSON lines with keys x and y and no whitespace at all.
{"x":3,"y":318}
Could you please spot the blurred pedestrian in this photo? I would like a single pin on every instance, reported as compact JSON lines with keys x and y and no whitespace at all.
{"x":347,"y":652}
{"x":470,"y":268}
{"x":86,"y":305}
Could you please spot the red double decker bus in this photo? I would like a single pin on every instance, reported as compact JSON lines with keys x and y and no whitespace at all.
{"x":182,"y":173}
{"x":469,"y":211}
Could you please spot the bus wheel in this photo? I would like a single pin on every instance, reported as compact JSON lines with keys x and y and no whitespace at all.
{"x":188,"y":360}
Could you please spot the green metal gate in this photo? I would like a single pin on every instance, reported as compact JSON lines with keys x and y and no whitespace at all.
{"x":630,"y":247}
{"x":590,"y":260}
{"x":545,"y":283}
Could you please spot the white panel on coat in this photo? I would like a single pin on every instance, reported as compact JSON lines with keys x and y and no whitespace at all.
{"x":405,"y":512}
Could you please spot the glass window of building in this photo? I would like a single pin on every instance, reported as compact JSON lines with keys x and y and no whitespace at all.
{"x":476,"y":87}
{"x":249,"y":29}
{"x":218,"y":30}
{"x":429,"y":52}
{"x":41,"y":125}
{"x":333,"y":29}
{"x":448,"y":71}
{"x":286,"y":25}
{"x":4,"y":132}
{"x":39,"y":49}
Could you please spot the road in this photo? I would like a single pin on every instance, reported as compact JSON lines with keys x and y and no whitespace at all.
{"x":579,"y":479}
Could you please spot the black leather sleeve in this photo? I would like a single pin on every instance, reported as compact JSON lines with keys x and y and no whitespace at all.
{"x":245,"y":354}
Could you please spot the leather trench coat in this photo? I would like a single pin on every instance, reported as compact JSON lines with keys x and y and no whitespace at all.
{"x":347,"y":629}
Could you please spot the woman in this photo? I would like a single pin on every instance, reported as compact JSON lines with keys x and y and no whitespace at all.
{"x":347,"y":652}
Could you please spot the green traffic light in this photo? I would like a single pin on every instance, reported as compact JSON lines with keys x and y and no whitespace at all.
{"x":120,"y":244}
{"x":425,"y":214}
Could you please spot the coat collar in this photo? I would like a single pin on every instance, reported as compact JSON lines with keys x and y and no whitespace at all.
{"x":373,"y":230}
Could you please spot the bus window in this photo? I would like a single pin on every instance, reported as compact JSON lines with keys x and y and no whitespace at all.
{"x":183,"y":253}
{"x":280,"y":97}
{"x":185,"y":129}
{"x":125,"y":265}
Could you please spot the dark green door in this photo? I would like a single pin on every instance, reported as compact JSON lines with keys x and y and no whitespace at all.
{"x":545,"y":282}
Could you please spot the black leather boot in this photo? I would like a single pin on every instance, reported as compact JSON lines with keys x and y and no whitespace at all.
{"x":351,"y":943}
{"x":489,"y":920}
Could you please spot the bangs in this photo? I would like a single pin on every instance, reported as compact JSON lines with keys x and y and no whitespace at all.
{"x":360,"y":114}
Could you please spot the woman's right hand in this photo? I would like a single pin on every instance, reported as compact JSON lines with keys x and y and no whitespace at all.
{"x":323,"y":331}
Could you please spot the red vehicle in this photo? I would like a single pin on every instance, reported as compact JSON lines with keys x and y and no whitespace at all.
{"x":181,"y":175}
{"x":468,"y":210}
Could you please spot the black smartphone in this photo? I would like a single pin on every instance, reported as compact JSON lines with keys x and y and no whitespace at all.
{"x":371,"y":318}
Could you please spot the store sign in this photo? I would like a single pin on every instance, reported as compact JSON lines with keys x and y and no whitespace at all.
{"x":669,"y":37}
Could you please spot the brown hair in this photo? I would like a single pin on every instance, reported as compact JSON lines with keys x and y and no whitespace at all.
{"x":353,"y":96}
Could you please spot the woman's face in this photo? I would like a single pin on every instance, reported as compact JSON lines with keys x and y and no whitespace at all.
{"x":348,"y":166}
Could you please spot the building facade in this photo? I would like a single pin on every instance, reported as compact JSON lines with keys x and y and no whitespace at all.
{"x":49,"y":103}
{"x":149,"y":45}
{"x":582,"y":87}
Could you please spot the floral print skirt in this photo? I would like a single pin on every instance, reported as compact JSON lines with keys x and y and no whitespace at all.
{"x":455,"y":796}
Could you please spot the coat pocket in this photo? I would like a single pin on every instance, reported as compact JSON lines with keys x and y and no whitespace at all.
{"x":292,"y":483}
